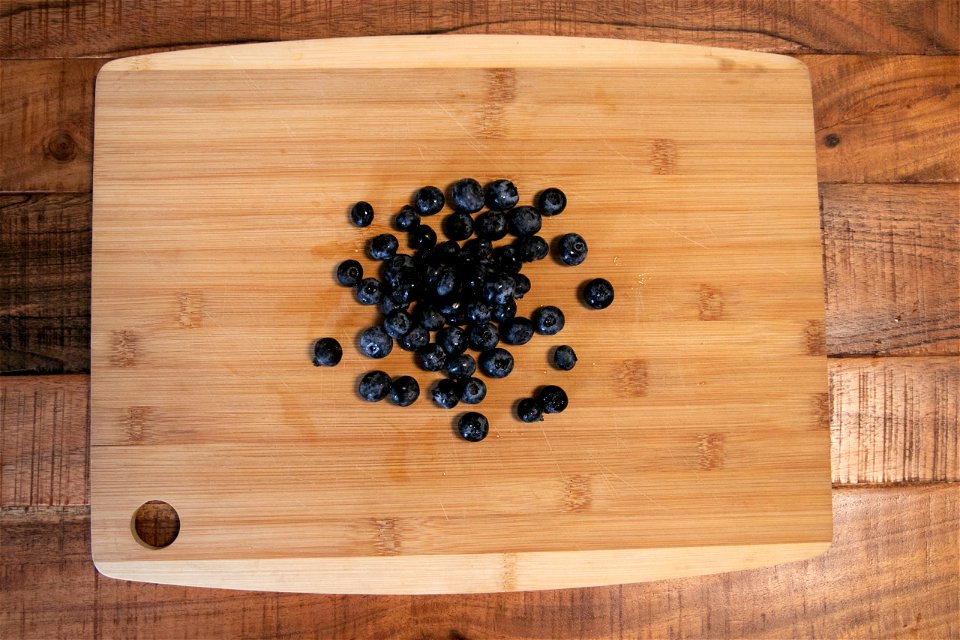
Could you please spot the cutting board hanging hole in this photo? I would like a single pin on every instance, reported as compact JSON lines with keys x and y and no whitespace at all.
{"x":156,"y":524}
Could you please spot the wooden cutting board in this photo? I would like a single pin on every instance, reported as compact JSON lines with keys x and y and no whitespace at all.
{"x":697,"y":438}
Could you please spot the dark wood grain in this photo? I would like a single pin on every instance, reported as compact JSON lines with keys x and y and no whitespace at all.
{"x":892,"y":268}
{"x":891,"y":572}
{"x":86,"y":28}
{"x":886,"y":119}
{"x":45,"y":283}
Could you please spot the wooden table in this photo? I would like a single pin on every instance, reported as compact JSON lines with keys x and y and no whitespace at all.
{"x":885,"y":83}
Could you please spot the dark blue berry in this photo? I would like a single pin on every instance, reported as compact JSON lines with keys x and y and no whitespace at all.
{"x":505,"y":312}
{"x":523,"y":221}
{"x":368,"y":291}
{"x":327,"y":352}
{"x":477,"y":312}
{"x":530,"y":410}
{"x":383,"y":246}
{"x":453,"y":339}
{"x":428,"y":200}
{"x":553,"y":399}
{"x":431,"y":357}
{"x":398,"y":323}
{"x":498,"y":289}
{"x":375,"y":343}
{"x":501,"y":195}
{"x":467,"y":195}
{"x":428,"y":317}
{"x":483,"y":336}
{"x":422,"y":237}
{"x":476,"y":250}
{"x":404,"y":391}
{"x":521,"y":286}
{"x":447,"y":252}
{"x":444,"y":281}
{"x":416,"y":338}
{"x":572,"y":249}
{"x":551,"y":201}
{"x":548,"y":320}
{"x":388,"y":305}
{"x":507,"y":259}
{"x":531,"y":248}
{"x":473,"y":426}
{"x":472,"y":390}
{"x":598,"y":293}
{"x":450,"y":309}
{"x":564,"y":358}
{"x":403,"y":294}
{"x":361,"y":214}
{"x":445,"y":393}
{"x":516,"y":331}
{"x":407,"y":219}
{"x":462,"y":366}
{"x":349,"y":273}
{"x":491,"y":225}
{"x":374,"y":386}
{"x":496,"y":363}
{"x":458,"y":226}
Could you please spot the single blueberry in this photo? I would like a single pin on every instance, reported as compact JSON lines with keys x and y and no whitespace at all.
{"x":428,"y":317}
{"x":516,"y":331}
{"x":361,"y":214}
{"x":428,"y":200}
{"x":476,"y":250}
{"x":472,"y":390}
{"x":431,"y":357}
{"x":483,"y":336}
{"x":473,"y":426}
{"x":551,"y":201}
{"x":461,"y":366}
{"x":458,"y":226}
{"x":398,"y":323}
{"x":478,"y":312}
{"x":521,"y":286}
{"x":491,"y":225}
{"x":407,"y":219}
{"x":383,"y":246}
{"x":349,"y":273}
{"x":453,"y":339}
{"x":598,"y":293}
{"x":507,"y":259}
{"x":374,"y":386}
{"x":548,"y":320}
{"x":531,"y":248}
{"x":446,"y":253}
{"x":496,"y":363}
{"x":530,"y":410}
{"x":498,"y":289}
{"x":523,"y":221}
{"x":445,"y":393}
{"x":467,"y":195}
{"x":375,"y":343}
{"x":388,"y":305}
{"x":416,"y":338}
{"x":327,"y":352}
{"x":553,"y":399}
{"x":564,"y":358}
{"x":444,"y":281}
{"x":572,"y":249}
{"x":368,"y":291}
{"x":501,"y":195}
{"x":422,"y":237}
{"x":404,"y":391}
{"x":505,"y":312}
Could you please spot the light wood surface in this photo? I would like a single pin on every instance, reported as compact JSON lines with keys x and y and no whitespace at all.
{"x":694,"y":441}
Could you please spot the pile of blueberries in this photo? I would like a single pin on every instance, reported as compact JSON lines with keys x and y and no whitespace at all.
{"x":447,"y":297}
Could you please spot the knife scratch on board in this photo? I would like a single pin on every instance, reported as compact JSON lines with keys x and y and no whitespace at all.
{"x":674,"y":232}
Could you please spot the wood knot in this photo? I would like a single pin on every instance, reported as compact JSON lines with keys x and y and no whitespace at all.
{"x":710,"y":450}
{"x":61,"y":147}
{"x":815,"y":336}
{"x":663,"y":156}
{"x":501,"y":88}
{"x":387,"y":541}
{"x":577,"y":493}
{"x":831,"y":141}
{"x":136,"y":423}
{"x":711,"y":302}
{"x":822,"y":410}
{"x":508,"y":572}
{"x":124,"y":348}
{"x":632,"y":378}
{"x":189,"y":309}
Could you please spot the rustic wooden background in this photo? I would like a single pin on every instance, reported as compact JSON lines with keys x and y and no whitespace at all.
{"x":886,"y":86}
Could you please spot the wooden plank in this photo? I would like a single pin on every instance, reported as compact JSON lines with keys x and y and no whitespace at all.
{"x":890,"y":572}
{"x":892,"y":268}
{"x":44,"y":441}
{"x":44,"y":283}
{"x":46,"y":113}
{"x":83,"y":28}
{"x":886,"y":119}
{"x":895,"y":419}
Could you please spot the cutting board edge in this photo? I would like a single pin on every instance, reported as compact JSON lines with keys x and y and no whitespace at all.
{"x":452,"y":574}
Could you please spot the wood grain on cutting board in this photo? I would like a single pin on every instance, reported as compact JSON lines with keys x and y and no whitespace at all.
{"x":697,"y":437}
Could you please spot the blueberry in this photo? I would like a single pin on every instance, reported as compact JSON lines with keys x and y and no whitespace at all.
{"x":501,"y":195}
{"x":473,"y":426}
{"x":462,"y":366}
{"x":458,"y":226}
{"x":505,"y":312}
{"x":361,"y":214}
{"x":422,"y":237}
{"x":446,"y":394}
{"x":349,"y":273}
{"x":548,"y":320}
{"x":472,"y":390}
{"x":404,"y":391}
{"x":496,"y":363}
{"x":531,"y":248}
{"x":477,"y":312}
{"x":375,"y":343}
{"x":445,"y":281}
{"x":428,"y":200}
{"x":516,"y":331}
{"x":450,"y":309}
{"x":374,"y":386}
{"x":383,"y":246}
{"x":521,"y":286}
{"x":398,"y":323}
{"x":407,"y":219}
{"x":564,"y":358}
{"x":446,"y":252}
{"x":453,"y":339}
{"x":368,"y":291}
{"x":491,"y":225}
{"x":416,"y":338}
{"x":466,"y":195}
{"x":400,"y":263}
{"x":572,"y":249}
{"x":327,"y":353}
{"x":403,"y":294}
{"x":507,"y":259}
{"x":428,"y":317}
{"x":431,"y":357}
{"x":472,"y":278}
{"x":553,"y":399}
{"x":388,"y":305}
{"x":551,"y":201}
{"x":483,"y":336}
{"x":598,"y":293}
{"x":476,"y":250}
{"x":530,"y":410}
{"x":498,"y":289}
{"x":523,"y":221}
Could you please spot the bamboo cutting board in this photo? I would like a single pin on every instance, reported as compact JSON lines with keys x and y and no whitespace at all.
{"x":697,"y":435}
